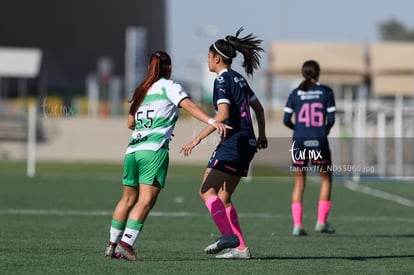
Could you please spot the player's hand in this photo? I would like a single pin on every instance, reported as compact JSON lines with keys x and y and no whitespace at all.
{"x":186,"y":149}
{"x":261,"y":143}
{"x":221,"y":128}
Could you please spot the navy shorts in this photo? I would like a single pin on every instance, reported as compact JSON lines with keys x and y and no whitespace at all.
{"x":233,"y":156}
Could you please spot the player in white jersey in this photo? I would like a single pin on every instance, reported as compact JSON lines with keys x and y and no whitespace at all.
{"x":152,"y":117}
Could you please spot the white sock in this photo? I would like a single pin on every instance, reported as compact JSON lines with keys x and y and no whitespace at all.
{"x":130,"y":236}
{"x":115,"y":235}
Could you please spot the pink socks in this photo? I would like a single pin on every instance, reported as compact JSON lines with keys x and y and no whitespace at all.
{"x":297,"y":214}
{"x":235,"y":225}
{"x":218,"y":212}
{"x":323,"y":211}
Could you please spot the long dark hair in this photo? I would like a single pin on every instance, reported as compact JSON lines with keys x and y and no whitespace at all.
{"x":159,"y":66}
{"x":249,"y":46}
{"x":310,"y":71}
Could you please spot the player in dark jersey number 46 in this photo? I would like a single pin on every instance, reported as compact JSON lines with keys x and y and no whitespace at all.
{"x":314,"y":107}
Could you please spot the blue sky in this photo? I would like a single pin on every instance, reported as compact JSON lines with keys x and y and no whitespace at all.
{"x":193,"y":25}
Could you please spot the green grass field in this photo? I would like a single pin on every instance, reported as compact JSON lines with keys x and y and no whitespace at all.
{"x":58,"y":223}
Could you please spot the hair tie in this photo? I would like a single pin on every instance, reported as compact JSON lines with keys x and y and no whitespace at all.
{"x":215,"y":47}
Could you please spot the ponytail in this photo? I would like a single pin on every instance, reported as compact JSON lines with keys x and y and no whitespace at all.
{"x":159,"y":66}
{"x":248,"y":46}
{"x":310,"y":71}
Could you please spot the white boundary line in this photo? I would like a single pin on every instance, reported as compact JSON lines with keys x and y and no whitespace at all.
{"x":46,"y":212}
{"x":378,"y":193}
{"x":51,"y":212}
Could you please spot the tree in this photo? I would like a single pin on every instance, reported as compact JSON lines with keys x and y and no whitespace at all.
{"x":394,"y":30}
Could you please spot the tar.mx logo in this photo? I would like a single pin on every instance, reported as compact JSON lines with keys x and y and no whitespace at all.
{"x":298,"y":154}
{"x":56,"y":109}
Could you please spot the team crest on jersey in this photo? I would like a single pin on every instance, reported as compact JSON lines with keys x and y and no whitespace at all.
{"x":220,"y":79}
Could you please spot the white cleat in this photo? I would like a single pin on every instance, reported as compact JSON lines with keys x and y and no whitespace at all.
{"x":324,"y":228}
{"x":224,"y":242}
{"x":235,"y":253}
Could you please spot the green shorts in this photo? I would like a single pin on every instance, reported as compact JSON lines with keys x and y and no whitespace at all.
{"x":146,"y":167}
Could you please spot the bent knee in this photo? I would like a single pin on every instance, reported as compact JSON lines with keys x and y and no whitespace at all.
{"x":146,"y":206}
{"x":128,"y":201}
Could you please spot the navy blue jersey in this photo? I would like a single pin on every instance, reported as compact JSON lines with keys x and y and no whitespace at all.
{"x":314,"y":112}
{"x":231,"y":88}
{"x":314,"y":116}
{"x":234,"y":153}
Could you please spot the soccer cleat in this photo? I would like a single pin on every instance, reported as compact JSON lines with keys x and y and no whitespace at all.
{"x":298,"y":231}
{"x":110,"y":250}
{"x":324,"y":228}
{"x":235,"y":253}
{"x":125,"y":251}
{"x":223,"y":242}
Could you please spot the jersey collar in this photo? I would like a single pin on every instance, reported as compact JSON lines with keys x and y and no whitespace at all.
{"x":222,"y":71}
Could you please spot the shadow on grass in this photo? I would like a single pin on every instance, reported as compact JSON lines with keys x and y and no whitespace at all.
{"x":393,"y":236}
{"x":376,"y":236}
{"x":351,"y":258}
{"x":271,"y":258}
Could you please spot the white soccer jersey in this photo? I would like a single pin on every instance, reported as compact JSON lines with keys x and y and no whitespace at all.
{"x":156,"y":116}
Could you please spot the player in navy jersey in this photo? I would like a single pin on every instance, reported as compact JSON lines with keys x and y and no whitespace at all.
{"x":232,"y":99}
{"x":314,"y":107}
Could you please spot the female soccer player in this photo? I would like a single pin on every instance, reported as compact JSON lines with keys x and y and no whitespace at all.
{"x":314,"y":108}
{"x":232,"y":99}
{"x":152,"y":117}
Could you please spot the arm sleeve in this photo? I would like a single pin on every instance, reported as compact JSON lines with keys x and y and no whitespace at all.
{"x":222,"y":91}
{"x":176,"y":93}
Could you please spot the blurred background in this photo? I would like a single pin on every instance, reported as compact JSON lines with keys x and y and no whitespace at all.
{"x":78,"y":62}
